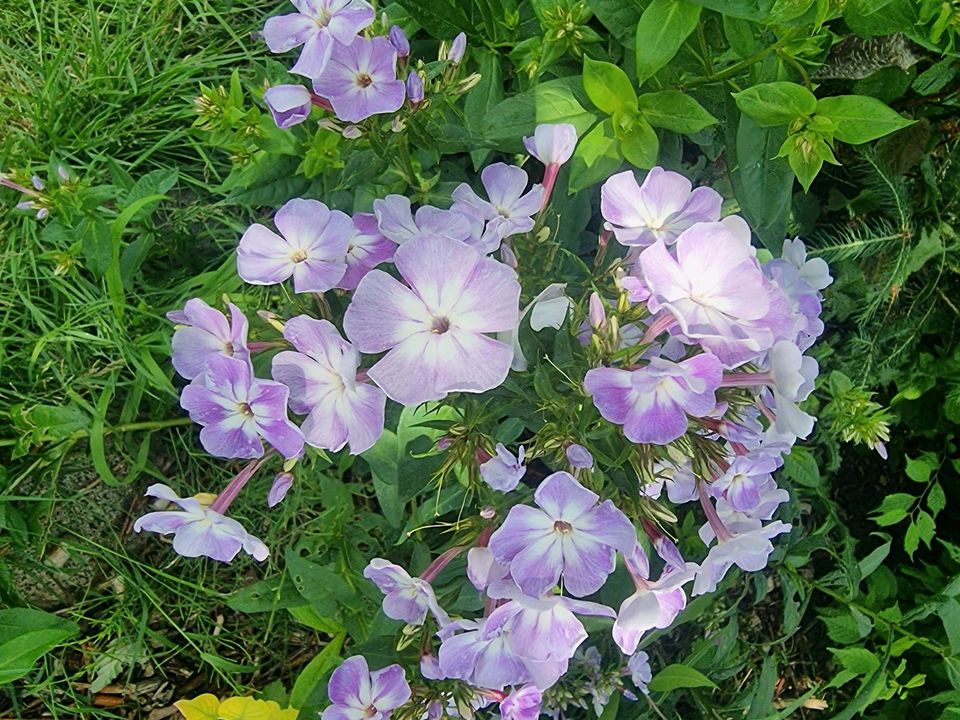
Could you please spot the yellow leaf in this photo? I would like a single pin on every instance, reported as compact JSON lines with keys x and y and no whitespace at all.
{"x":246,"y":708}
{"x":203,"y":707}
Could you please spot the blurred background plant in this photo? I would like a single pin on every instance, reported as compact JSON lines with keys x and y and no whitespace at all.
{"x":138,"y":132}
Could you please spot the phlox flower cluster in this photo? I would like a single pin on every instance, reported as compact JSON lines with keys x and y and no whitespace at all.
{"x":357,"y":68}
{"x":693,"y":356}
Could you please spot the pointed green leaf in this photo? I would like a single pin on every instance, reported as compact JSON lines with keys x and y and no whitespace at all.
{"x":860,"y":118}
{"x":673,"y":110}
{"x":608,"y":87}
{"x":663,"y":28}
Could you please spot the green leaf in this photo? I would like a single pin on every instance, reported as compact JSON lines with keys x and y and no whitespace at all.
{"x":673,"y":110}
{"x":763,"y":183}
{"x":117,"y":228}
{"x":608,"y":87}
{"x":555,"y":101}
{"x":676,"y":676}
{"x":857,"y":660}
{"x":663,"y":28}
{"x":874,"y":559}
{"x":860,"y":118}
{"x":949,"y":612}
{"x":776,"y":103}
{"x":926,"y":527}
{"x":868,"y":18}
{"x":25,"y":636}
{"x":920,"y":468}
{"x":479,"y":101}
{"x":745,"y":9}
{"x":801,"y":467}
{"x":596,"y":158}
{"x":807,"y":152}
{"x":320,"y":665}
{"x":640,"y":145}
{"x":911,"y":539}
{"x":620,"y":17}
{"x":936,"y":499}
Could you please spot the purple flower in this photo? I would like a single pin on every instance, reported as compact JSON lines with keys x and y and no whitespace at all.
{"x":480,"y":654}
{"x":400,"y":42}
{"x":552,"y":144}
{"x":236,"y":410}
{"x":398,"y":223}
{"x":508,"y":211}
{"x":740,"y":484}
{"x":433,"y":326}
{"x":361,"y":79}
{"x":652,"y":403}
{"x":207,"y":332}
{"x":654,"y":604}
{"x":748,"y":550}
{"x":322,"y":377}
{"x":815,"y":272}
{"x":579,"y":457}
{"x":544,"y":632}
{"x":405,"y":598}
{"x":318,"y":26}
{"x":289,"y":104}
{"x":311,"y":247}
{"x":660,"y":209}
{"x":571,"y":535}
{"x":640,"y":672}
{"x":714,"y":288}
{"x":279,"y":489}
{"x":521,"y":704}
{"x":197,"y":530}
{"x":415,"y":92}
{"x":503,"y":471}
{"x":365,"y":250}
{"x":457,"y":49}
{"x":357,"y":694}
{"x":482,"y":568}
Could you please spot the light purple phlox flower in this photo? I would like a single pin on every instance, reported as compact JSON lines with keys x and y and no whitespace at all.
{"x":360,"y":80}
{"x":357,"y":694}
{"x":206,"y":332}
{"x":405,"y":598}
{"x":503,"y":471}
{"x":509,"y":209}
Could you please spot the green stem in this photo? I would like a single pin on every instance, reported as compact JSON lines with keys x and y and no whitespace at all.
{"x":731,"y":71}
{"x":126,"y":427}
{"x":933,"y":647}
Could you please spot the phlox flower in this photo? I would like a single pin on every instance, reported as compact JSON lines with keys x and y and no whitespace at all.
{"x":322,"y":377}
{"x":199,"y":531}
{"x":521,"y":704}
{"x":289,"y":104}
{"x":318,"y":26}
{"x":659,"y":210}
{"x":571,"y":535}
{"x":360,"y":79}
{"x":640,"y":672}
{"x":483,"y":569}
{"x":745,"y":544}
{"x":311,"y":247}
{"x":509,"y":209}
{"x":236,"y":410}
{"x":281,"y":485}
{"x":204,"y":332}
{"x":654,"y":604}
{"x":357,"y":694}
{"x":477,"y":652}
{"x":815,"y":272}
{"x":653,"y":402}
{"x":552,"y":144}
{"x":365,"y":250}
{"x":405,"y":598}
{"x":715,"y":290}
{"x":433,"y":325}
{"x":503,"y":471}
{"x":740,"y":484}
{"x":397,"y":221}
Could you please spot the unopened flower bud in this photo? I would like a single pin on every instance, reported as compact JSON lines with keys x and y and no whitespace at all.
{"x":578,"y":456}
{"x":278,"y":491}
{"x":467,"y":84}
{"x":457,"y":49}
{"x":37,"y":182}
{"x":351,"y":132}
{"x":488,"y":513}
{"x":63,"y":173}
{"x":598,"y":316}
{"x":414,"y":90}
{"x":289,"y":104}
{"x":507,"y":256}
{"x":398,"y":38}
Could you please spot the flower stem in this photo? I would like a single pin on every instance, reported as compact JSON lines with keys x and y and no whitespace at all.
{"x":232,"y":490}
{"x":719,"y":529}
